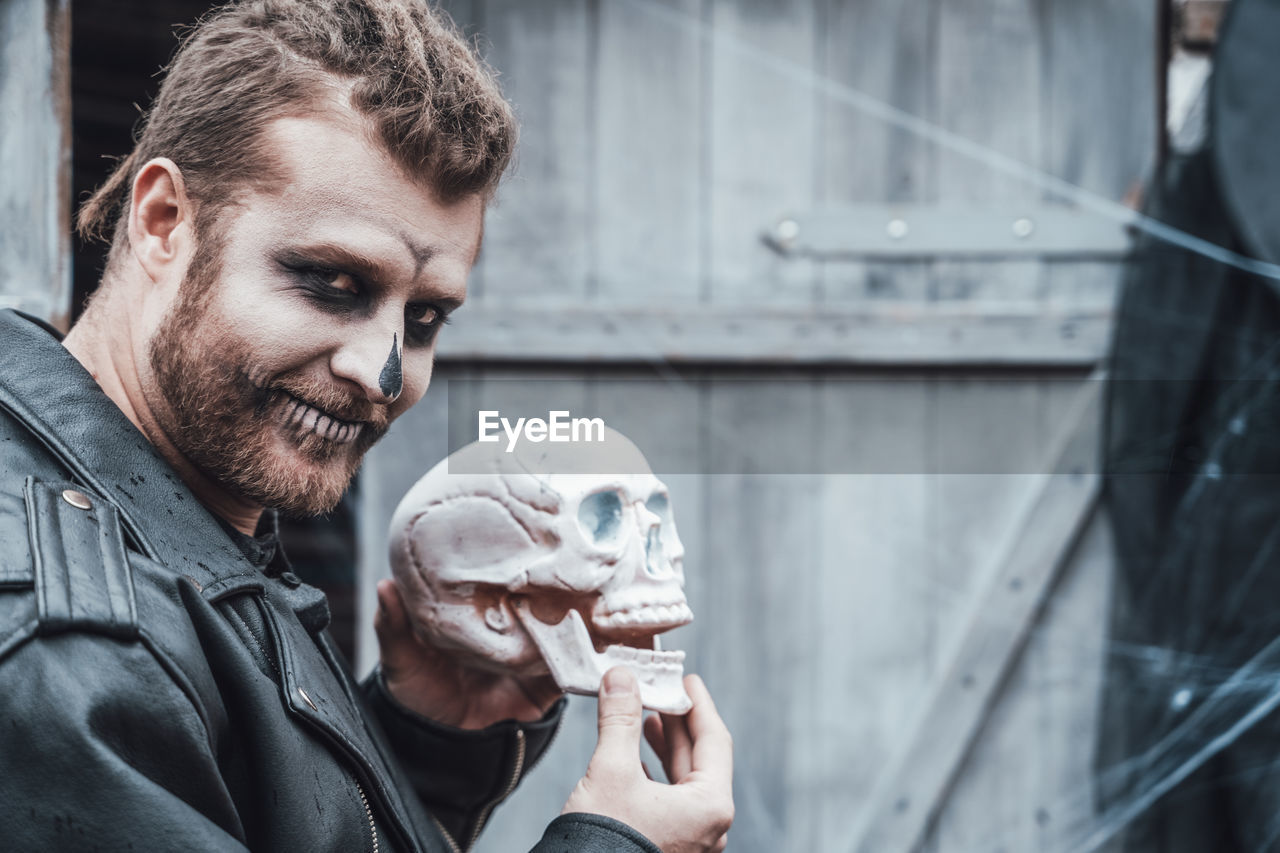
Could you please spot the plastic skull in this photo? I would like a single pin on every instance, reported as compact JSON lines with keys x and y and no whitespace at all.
{"x":533,"y":561}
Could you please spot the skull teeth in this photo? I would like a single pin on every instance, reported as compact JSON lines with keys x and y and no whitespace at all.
{"x":648,"y":657}
{"x":655,"y":616}
{"x":577,"y":667}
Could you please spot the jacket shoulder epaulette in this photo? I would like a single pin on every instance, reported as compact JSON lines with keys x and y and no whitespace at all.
{"x":81,"y":575}
{"x":63,"y":565}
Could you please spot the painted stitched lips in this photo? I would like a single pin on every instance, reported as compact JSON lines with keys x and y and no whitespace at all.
{"x":307,"y":419}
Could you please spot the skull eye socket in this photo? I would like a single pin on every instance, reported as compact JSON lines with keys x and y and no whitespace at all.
{"x":600,"y":516}
{"x":659,"y":540}
{"x":659,"y":506}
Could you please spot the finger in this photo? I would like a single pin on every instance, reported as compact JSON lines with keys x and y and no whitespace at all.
{"x":721,"y":844}
{"x":391,"y":607}
{"x":676,"y":729}
{"x":382,"y":616}
{"x":620,"y":716}
{"x":645,"y":767}
{"x":658,"y":742}
{"x":712,"y":751}
{"x":653,"y":734}
{"x":397,"y":644}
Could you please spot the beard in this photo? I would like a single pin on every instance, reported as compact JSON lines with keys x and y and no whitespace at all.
{"x":285,"y":440}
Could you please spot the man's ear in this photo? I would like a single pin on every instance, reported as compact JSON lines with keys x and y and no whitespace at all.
{"x":160,"y":218}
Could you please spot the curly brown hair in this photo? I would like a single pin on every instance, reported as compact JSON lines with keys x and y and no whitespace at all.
{"x":431,"y":100}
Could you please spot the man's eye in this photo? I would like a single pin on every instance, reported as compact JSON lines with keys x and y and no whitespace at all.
{"x":427,"y":315}
{"x":323,"y":278}
{"x":323,"y":282}
{"x":422,"y":321}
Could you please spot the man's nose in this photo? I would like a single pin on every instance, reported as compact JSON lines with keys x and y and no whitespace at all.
{"x":373,"y":362}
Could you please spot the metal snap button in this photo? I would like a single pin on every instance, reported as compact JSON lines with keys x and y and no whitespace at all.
{"x":77,"y":499}
{"x":291,"y":580}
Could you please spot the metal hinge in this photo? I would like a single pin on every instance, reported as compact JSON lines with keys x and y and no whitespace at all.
{"x":923,"y":232}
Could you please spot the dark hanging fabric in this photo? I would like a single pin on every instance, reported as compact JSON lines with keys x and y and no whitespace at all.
{"x":1247,"y":123}
{"x":1192,"y":452}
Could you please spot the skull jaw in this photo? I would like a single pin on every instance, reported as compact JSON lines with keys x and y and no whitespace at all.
{"x":578,"y":668}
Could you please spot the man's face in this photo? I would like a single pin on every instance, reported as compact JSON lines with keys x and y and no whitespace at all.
{"x":307,"y":319}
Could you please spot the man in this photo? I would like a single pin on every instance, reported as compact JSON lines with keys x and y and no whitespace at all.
{"x":296,"y":222}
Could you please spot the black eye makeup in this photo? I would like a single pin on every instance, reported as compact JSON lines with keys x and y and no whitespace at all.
{"x":326,"y":285}
{"x":422,"y":321}
{"x":339,"y":291}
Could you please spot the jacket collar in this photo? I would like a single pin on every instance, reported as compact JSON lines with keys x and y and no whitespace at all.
{"x":50,"y":392}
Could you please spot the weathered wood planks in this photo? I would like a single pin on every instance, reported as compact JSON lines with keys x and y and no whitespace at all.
{"x":35,"y":151}
{"x":632,"y":267}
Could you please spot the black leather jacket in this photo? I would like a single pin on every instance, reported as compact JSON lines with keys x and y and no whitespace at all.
{"x":160,"y":693}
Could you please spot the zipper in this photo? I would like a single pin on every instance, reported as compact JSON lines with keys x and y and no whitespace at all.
{"x":368,"y":813}
{"x":519,"y":770}
{"x":453,"y":845}
{"x":516,"y":770}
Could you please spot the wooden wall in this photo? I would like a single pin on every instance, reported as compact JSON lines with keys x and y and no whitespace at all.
{"x":35,"y":149}
{"x":910,"y":402}
{"x":903,"y":406}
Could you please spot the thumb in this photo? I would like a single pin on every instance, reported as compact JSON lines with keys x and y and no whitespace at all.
{"x":621,"y":721}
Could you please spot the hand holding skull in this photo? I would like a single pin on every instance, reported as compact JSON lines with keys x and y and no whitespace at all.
{"x":694,"y":812}
{"x":545,"y":561}
{"x":523,"y":572}
{"x":433,"y":683}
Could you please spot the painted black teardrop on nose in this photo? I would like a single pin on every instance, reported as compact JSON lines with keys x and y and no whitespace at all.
{"x":391,"y":379}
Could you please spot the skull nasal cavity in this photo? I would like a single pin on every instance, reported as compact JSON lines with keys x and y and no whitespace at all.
{"x":601,"y":516}
{"x":655,"y":562}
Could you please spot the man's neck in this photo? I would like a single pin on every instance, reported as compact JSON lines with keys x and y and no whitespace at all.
{"x":102,"y":341}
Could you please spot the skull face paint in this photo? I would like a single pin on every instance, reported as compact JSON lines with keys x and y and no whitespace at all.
{"x":391,"y":379}
{"x":531,"y":564}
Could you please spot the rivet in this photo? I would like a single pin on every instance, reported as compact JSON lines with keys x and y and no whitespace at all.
{"x":787,"y":231}
{"x":1023,"y":228}
{"x":896,"y":229}
{"x":291,"y":580}
{"x":307,"y":699}
{"x":76,"y":499}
